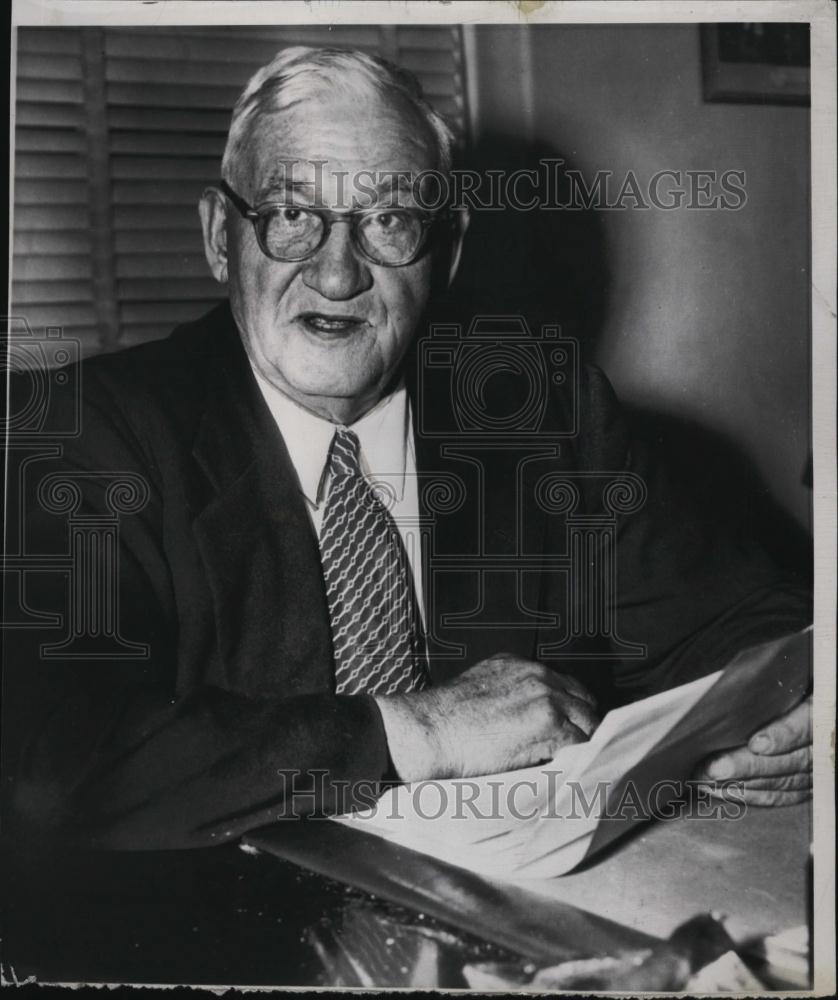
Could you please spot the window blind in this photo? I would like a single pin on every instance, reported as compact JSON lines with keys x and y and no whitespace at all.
{"x":52,"y":264}
{"x":118,"y":131}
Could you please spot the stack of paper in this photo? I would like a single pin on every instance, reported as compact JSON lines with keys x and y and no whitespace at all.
{"x":543,"y":821}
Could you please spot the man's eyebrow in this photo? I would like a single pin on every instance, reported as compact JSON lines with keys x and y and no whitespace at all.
{"x":395,"y":181}
{"x":401,"y":179}
{"x":388,"y":188}
{"x":278,"y":185}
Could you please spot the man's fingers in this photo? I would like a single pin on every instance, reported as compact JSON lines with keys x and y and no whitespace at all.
{"x":741,"y":764}
{"x":545,"y":750}
{"x":570,"y":734}
{"x":568,"y":685}
{"x":759,"y":797}
{"x":575,"y":688}
{"x":579,"y":714}
{"x":784,"y":790}
{"x":781,"y":783}
{"x":789,"y":732}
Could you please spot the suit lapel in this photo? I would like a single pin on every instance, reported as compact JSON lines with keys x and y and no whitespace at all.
{"x":256,"y":540}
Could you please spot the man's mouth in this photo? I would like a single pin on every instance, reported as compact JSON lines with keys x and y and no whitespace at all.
{"x":331,"y":324}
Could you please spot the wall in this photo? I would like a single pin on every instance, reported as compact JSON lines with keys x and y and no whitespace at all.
{"x":699,"y":316}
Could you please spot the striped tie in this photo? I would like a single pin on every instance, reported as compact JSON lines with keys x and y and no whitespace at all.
{"x":368,"y":584}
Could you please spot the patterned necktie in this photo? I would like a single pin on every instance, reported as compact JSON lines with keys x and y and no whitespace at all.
{"x":368,"y":584}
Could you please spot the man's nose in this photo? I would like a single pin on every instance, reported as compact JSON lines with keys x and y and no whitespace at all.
{"x":336,"y":271}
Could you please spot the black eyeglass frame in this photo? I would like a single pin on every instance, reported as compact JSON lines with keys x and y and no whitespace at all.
{"x":329,"y":217}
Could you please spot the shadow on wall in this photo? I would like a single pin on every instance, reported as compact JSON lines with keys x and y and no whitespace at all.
{"x":727,"y":486}
{"x":550,"y":266}
{"x":553,"y":266}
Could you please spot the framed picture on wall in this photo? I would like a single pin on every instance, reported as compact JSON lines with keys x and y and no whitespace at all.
{"x":756,"y":63}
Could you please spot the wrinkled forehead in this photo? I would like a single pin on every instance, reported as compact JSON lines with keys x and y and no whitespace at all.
{"x":327,"y":135}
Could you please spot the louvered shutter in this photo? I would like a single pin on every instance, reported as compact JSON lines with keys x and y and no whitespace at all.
{"x":434,"y":56}
{"x":166,"y":98}
{"x":52,"y":260}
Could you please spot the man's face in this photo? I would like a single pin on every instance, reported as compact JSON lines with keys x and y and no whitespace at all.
{"x":330,"y":331}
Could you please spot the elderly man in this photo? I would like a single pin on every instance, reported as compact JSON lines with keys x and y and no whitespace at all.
{"x":295,"y":642}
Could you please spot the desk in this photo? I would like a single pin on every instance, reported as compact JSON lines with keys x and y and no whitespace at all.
{"x":226,"y":917}
{"x":752,"y":869}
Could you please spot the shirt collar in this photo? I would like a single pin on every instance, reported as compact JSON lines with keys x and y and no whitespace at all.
{"x":383,"y":433}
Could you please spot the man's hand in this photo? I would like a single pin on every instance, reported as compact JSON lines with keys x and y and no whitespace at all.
{"x":501,"y":714}
{"x":775,"y":768}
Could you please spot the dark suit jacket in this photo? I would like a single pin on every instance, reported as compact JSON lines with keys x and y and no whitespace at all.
{"x":219,"y":576}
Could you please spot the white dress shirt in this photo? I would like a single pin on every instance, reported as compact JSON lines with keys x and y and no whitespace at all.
{"x":387,"y":459}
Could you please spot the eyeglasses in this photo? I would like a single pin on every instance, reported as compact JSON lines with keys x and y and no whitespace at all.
{"x":391,"y":237}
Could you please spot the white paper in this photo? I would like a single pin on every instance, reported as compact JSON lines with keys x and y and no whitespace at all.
{"x":537,"y":832}
{"x":541,"y":822}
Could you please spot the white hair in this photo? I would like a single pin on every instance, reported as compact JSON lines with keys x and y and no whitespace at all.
{"x":298,"y":71}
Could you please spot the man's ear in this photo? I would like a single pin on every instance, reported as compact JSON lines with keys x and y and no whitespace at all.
{"x":213,"y":210}
{"x":459,"y":225}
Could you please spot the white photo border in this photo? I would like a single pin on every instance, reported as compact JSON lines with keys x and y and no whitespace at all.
{"x":821,"y":15}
